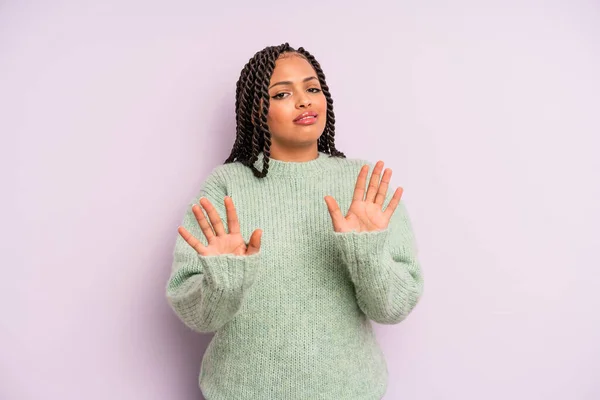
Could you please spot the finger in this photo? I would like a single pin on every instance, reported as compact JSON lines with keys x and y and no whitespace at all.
{"x":383,"y":187}
{"x":254,"y":242}
{"x":337,"y":217}
{"x":232,"y":218}
{"x":204,"y":225}
{"x":361,"y":183}
{"x":191,"y":240}
{"x":213,"y":216}
{"x":391,"y":207}
{"x":374,"y":182}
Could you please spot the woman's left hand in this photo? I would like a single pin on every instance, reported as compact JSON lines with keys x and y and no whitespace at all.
{"x":366,"y":212}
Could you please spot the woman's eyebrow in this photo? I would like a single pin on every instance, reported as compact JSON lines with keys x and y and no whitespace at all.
{"x":290,"y":82}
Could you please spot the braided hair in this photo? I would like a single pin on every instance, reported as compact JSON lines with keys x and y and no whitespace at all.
{"x":252,"y":107}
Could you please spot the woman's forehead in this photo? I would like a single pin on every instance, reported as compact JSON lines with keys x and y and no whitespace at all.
{"x":292,"y":68}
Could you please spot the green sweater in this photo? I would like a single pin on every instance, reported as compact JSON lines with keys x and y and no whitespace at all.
{"x":293,"y":321}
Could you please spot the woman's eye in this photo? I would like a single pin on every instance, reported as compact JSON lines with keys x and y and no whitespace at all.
{"x":283,"y":95}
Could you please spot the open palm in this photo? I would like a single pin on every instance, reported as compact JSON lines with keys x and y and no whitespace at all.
{"x":219,"y":241}
{"x":366,"y":213}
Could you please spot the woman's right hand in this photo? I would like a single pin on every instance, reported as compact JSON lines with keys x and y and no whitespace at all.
{"x":219,"y":241}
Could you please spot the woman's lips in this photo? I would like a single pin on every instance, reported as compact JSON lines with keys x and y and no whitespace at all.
{"x":307,"y":118}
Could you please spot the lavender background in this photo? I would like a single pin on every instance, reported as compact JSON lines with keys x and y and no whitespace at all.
{"x":112,"y":114}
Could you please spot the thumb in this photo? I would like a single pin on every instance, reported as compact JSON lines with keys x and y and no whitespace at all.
{"x":337,"y":217}
{"x":254,"y":242}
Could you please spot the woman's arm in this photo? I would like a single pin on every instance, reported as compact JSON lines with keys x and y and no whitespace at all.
{"x":207,"y":291}
{"x":384,"y":268}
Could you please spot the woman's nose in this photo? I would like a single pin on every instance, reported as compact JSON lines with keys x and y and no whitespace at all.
{"x":303,"y":103}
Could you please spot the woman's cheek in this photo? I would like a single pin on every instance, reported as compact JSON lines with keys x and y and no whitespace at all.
{"x":275,"y":113}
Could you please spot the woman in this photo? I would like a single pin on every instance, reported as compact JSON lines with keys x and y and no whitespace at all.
{"x":291,"y":308}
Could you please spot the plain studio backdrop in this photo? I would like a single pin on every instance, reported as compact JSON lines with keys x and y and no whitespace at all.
{"x":114,"y":112}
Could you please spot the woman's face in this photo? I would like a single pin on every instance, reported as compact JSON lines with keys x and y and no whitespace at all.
{"x":298,"y":108}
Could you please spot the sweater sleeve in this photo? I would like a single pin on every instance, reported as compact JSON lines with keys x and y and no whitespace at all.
{"x":206,"y":292}
{"x":384,"y":268}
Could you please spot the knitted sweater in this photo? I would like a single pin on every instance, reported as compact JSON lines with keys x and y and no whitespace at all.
{"x":293,"y":321}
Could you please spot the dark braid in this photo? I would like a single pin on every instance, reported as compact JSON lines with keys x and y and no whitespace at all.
{"x":252,"y":130}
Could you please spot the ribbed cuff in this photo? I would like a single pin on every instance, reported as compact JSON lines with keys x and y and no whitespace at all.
{"x":361,"y":247}
{"x":228,"y":271}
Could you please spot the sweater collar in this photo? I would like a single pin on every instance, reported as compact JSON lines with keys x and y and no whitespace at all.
{"x":294,"y":168}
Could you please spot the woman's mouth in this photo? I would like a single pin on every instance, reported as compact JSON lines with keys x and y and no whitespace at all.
{"x":306,"y":118}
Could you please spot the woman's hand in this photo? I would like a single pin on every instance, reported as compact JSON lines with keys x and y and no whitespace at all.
{"x":366,"y":214}
{"x":220,"y":242}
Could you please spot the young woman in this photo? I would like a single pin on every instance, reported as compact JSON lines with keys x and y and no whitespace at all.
{"x":329,"y":248}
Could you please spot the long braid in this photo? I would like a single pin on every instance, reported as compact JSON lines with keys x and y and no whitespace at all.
{"x":246,"y":113}
{"x":240,"y":102}
{"x":252,"y":107}
{"x":257,"y":133}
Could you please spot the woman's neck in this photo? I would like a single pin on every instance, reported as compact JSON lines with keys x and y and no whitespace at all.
{"x":296,"y":154}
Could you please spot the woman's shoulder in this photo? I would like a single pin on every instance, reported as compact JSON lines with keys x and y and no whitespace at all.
{"x":353,"y":164}
{"x":218,"y":182}
{"x":225,"y":173}
{"x":354,"y":161}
